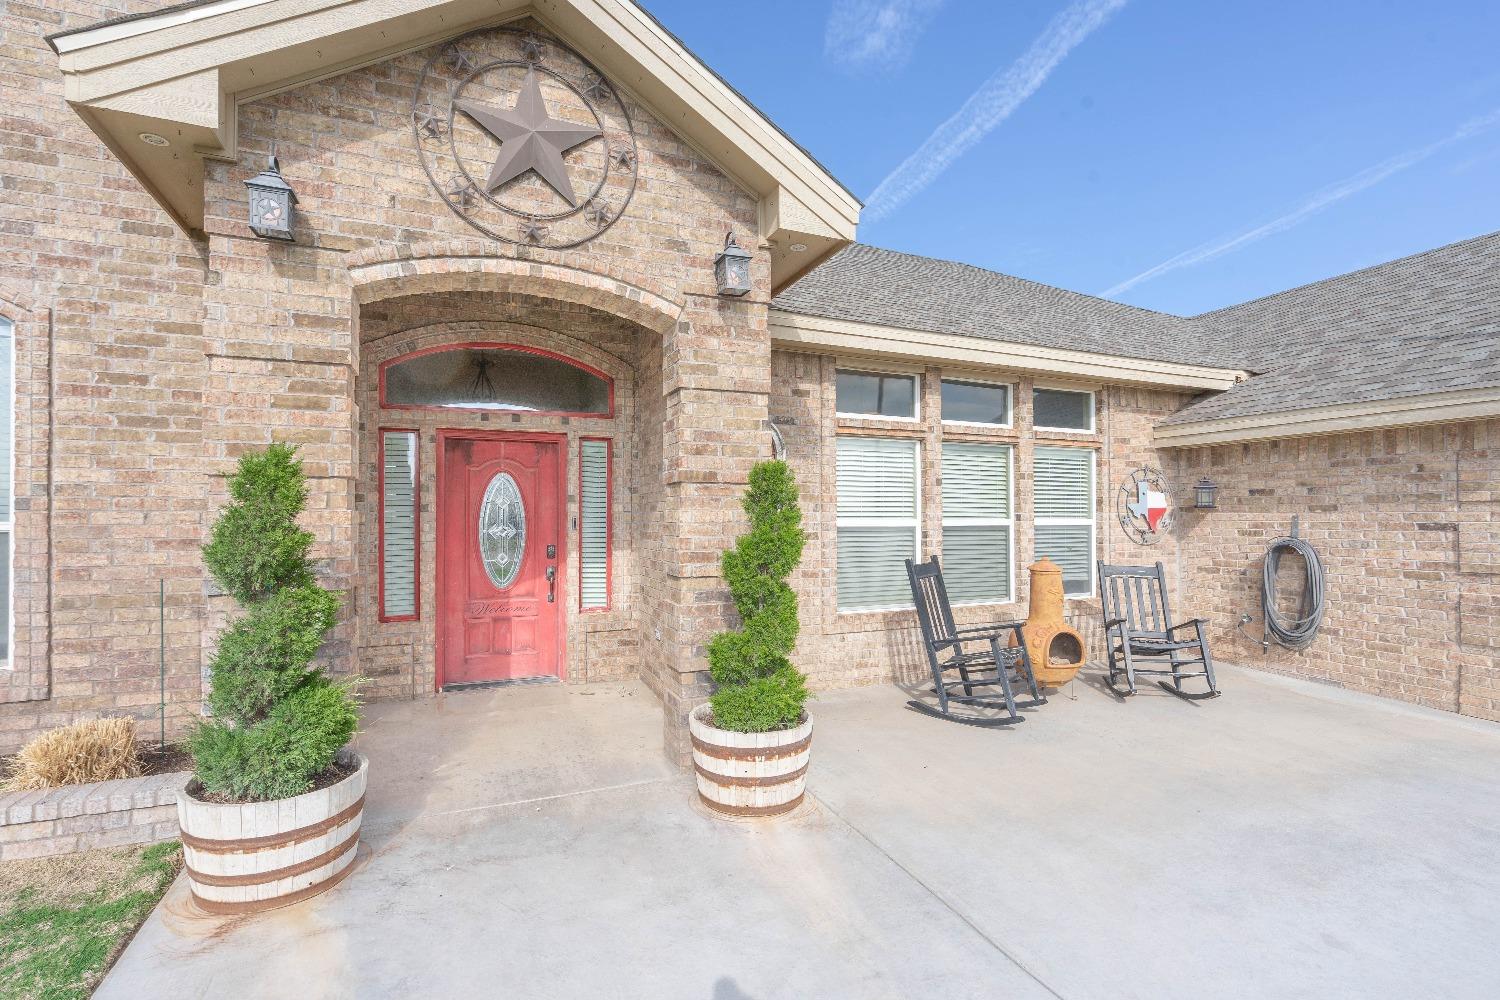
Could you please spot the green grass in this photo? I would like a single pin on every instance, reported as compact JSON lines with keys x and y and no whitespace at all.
{"x":63,"y":919}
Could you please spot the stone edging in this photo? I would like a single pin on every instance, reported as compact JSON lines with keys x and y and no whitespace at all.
{"x":86,"y":817}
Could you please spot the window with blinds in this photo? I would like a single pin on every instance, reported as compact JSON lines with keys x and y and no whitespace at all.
{"x":398,"y":525}
{"x":878,"y":521}
{"x":7,"y":463}
{"x":977,"y":526}
{"x":593,"y":524}
{"x":1063,"y":507}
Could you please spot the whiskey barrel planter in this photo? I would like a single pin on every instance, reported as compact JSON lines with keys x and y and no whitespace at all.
{"x":750,"y":774}
{"x":244,"y":857}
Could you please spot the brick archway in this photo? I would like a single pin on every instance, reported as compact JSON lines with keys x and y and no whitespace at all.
{"x":454,"y":268}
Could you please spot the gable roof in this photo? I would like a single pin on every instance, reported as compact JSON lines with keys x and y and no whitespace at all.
{"x":868,"y":284}
{"x":180,"y":72}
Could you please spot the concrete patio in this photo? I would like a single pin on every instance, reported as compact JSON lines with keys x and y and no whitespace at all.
{"x":1286,"y":840}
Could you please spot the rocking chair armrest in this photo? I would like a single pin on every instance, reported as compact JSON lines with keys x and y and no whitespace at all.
{"x":1188,"y":624}
{"x":1111,"y":623}
{"x":995,"y":630}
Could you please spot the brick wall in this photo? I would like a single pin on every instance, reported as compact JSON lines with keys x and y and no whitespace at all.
{"x":840,"y":649}
{"x":1407,"y":525}
{"x":170,"y":358}
{"x":108,"y":299}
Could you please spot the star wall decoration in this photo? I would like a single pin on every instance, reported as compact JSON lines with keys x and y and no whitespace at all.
{"x":459,"y":192}
{"x":459,"y":59}
{"x":530,"y":139}
{"x":427,"y":121}
{"x":594,"y":87}
{"x":533,"y":231}
{"x":624,"y":156}
{"x":531,"y":48}
{"x":599,"y":212}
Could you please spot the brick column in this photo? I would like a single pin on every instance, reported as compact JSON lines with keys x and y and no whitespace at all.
{"x":715,"y":386}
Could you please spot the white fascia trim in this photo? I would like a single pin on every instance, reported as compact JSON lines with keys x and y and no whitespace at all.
{"x":140,"y":26}
{"x":799,"y":332}
{"x":1402,"y":411}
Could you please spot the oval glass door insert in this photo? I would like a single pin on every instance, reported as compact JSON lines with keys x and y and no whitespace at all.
{"x":502,"y":530}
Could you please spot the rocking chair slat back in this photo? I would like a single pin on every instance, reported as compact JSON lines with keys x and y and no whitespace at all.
{"x":934,"y":613}
{"x":1138,"y":595}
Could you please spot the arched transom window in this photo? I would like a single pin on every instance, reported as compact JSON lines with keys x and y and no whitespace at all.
{"x":495,"y":377}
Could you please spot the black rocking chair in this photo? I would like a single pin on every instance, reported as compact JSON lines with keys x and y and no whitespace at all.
{"x":975,"y":652}
{"x":1136,"y":627}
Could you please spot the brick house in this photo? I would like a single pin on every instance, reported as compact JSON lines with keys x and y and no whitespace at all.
{"x":528,"y":413}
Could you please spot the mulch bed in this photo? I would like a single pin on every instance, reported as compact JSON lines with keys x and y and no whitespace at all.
{"x":154,"y":758}
{"x":332,"y":776}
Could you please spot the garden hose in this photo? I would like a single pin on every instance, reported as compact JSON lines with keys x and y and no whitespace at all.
{"x":1297,"y":632}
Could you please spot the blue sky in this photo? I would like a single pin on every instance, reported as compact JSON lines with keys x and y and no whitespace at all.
{"x":1175,"y":155}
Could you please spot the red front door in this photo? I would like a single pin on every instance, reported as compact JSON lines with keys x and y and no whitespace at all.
{"x":500,"y":550}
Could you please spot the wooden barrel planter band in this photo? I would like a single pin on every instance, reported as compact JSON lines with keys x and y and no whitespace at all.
{"x":750,"y":774}
{"x":245,"y":857}
{"x":751,"y":753}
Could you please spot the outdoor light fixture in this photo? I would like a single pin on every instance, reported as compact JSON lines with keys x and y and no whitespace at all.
{"x":272,"y":202}
{"x":732,"y":268}
{"x":1206,"y":494}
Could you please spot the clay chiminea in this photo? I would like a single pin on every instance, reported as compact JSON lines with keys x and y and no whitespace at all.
{"x":1055,"y":647}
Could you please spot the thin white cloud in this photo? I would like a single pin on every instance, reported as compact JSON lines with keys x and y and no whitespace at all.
{"x":990,"y":105}
{"x":1314,"y":204}
{"x":875,"y":34}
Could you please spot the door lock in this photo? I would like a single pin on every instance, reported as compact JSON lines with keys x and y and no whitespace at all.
{"x":551,"y":583}
{"x":552,"y":552}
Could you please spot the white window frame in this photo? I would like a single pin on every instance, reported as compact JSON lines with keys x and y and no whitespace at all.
{"x":1010,"y":522}
{"x":916,"y":398}
{"x":1092,"y":520}
{"x":8,"y":395}
{"x":881,"y":522}
{"x":1010,"y":400}
{"x":1093,"y":396}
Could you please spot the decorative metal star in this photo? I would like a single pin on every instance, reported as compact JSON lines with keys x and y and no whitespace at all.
{"x":427,"y":121}
{"x":594,"y":87}
{"x":624,"y":156}
{"x":530,"y":139}
{"x":531,"y":48}
{"x":533,"y":231}
{"x":459,"y":191}
{"x":598,"y":212}
{"x":459,"y":59}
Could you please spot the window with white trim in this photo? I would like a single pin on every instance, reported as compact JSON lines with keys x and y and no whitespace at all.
{"x":398,"y":525}
{"x":1062,"y":409}
{"x":879,"y":508}
{"x":7,"y":480}
{"x":977,"y":526}
{"x":967,"y":402}
{"x":593,"y":523}
{"x":875,"y":394}
{"x":1063,"y":508}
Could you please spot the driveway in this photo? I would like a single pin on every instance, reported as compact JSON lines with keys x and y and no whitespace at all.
{"x":1286,"y":840}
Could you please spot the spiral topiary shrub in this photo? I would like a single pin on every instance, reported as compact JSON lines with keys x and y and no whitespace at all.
{"x":758,"y":689}
{"x":278,"y":721}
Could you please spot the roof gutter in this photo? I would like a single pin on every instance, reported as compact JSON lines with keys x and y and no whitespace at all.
{"x":795,"y":331}
{"x":1343,"y":418}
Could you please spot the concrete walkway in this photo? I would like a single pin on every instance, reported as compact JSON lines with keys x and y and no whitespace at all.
{"x":1283,"y":841}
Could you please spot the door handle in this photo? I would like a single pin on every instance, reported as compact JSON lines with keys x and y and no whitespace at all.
{"x":551,"y":584}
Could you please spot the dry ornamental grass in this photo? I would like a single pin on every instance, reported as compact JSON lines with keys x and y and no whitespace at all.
{"x":85,"y":752}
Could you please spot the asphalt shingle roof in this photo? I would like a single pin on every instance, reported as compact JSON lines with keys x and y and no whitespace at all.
{"x":872,"y":285}
{"x":1422,"y":324}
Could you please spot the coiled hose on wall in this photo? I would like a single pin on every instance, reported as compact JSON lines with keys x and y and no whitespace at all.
{"x":1293,"y":632}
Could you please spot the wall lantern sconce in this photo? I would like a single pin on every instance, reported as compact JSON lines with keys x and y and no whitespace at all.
{"x":1206,"y":494}
{"x":732,"y":268}
{"x":272,"y":202}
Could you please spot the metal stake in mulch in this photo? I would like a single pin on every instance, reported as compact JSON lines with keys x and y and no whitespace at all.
{"x":161,"y":656}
